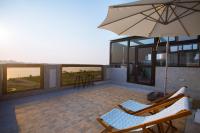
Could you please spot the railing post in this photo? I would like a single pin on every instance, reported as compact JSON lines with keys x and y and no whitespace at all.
{"x":105,"y":74}
{"x":45,"y":77}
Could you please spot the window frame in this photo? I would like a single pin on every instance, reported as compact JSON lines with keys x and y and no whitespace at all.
{"x":5,"y":66}
{"x":176,"y":42}
{"x":79,"y":65}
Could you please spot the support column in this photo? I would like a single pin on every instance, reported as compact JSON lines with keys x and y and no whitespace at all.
{"x":51,"y":76}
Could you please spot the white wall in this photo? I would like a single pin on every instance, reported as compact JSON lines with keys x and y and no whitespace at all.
{"x":179,"y":76}
{"x":117,"y":74}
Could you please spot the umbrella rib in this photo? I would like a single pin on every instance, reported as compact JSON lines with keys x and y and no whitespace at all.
{"x":196,"y":10}
{"x":180,"y":22}
{"x":189,"y":9}
{"x":167,"y":12}
{"x":157,"y":12}
{"x":181,"y":17}
{"x":185,"y":12}
{"x":171,"y":14}
{"x":137,"y":22}
{"x":156,"y":23}
{"x":126,"y":17}
{"x":153,"y":19}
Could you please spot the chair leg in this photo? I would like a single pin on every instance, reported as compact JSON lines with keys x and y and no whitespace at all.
{"x":104,"y":131}
{"x":170,"y":125}
{"x":150,"y":130}
{"x":160,"y":128}
{"x":144,"y":130}
{"x":147,"y":130}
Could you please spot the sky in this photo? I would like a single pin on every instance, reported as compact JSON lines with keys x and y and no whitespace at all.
{"x":55,"y":31}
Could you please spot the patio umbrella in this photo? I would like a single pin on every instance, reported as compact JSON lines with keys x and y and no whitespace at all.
{"x":155,"y":18}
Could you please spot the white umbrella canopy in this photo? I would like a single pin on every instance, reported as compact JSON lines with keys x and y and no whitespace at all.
{"x":154,"y":18}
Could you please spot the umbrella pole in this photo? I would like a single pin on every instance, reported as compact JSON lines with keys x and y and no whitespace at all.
{"x":166,"y":66}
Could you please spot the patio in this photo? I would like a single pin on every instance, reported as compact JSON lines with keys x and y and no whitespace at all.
{"x":67,"y":111}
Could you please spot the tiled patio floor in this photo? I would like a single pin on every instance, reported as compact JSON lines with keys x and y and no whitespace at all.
{"x":73,"y":112}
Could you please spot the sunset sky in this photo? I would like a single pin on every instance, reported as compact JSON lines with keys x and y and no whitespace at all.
{"x":55,"y":31}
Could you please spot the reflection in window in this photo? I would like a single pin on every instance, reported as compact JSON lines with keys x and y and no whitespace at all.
{"x":180,"y":47}
{"x":164,"y":39}
{"x":195,"y":46}
{"x":173,"y":59}
{"x":160,"y":57}
{"x":184,"y":38}
{"x":173,"y":48}
{"x":189,"y":59}
{"x":119,"y":52}
{"x":74,"y":75}
{"x":22,"y":79}
{"x":144,"y":56}
{"x":141,"y":41}
{"x":132,"y":55}
{"x":144,"y":75}
{"x":187,"y":47}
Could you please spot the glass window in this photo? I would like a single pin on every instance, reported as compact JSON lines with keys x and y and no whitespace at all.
{"x":161,"y":59}
{"x":180,"y":47}
{"x":141,"y":41}
{"x":147,"y":41}
{"x":189,"y":58}
{"x":164,"y":39}
{"x":144,"y":75}
{"x":144,"y":56}
{"x":132,"y":55}
{"x":23,"y":78}
{"x":187,"y":47}
{"x":133,"y":43}
{"x":161,"y":56}
{"x":184,"y":38}
{"x":80,"y":75}
{"x":119,"y":52}
{"x":195,"y":46}
{"x":173,"y":48}
{"x":173,"y":59}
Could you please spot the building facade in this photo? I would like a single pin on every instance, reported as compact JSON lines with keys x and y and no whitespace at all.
{"x":144,"y":59}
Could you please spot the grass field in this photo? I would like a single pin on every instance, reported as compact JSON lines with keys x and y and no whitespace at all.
{"x":22,"y":84}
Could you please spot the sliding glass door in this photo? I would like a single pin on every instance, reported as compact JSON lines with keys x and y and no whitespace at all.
{"x":141,"y":67}
{"x":144,"y":65}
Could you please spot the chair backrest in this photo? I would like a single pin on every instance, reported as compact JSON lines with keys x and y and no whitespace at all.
{"x":164,"y":102}
{"x":179,"y":106}
{"x":182,"y":90}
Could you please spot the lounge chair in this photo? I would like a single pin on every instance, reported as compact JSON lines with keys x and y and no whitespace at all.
{"x":137,"y":108}
{"x":117,"y":121}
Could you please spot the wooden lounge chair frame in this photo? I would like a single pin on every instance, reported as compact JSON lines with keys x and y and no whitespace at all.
{"x":159,"y":123}
{"x":158,"y":103}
